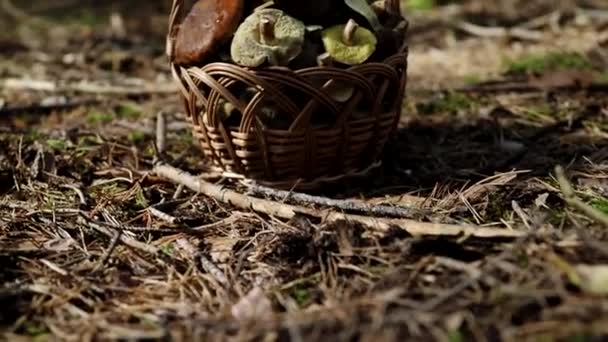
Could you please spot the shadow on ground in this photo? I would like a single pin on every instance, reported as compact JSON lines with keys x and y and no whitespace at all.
{"x":457,"y":152}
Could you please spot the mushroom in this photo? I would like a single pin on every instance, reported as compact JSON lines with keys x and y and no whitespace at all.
{"x":339,"y":91}
{"x":391,"y":36}
{"x":349,"y":44}
{"x":365,"y":9}
{"x":389,"y":7}
{"x":389,"y":12}
{"x":267,"y":35}
{"x":209,"y":24}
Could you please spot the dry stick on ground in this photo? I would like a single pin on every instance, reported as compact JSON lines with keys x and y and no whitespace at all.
{"x":207,"y":264}
{"x":287,"y":211}
{"x":500,"y":32}
{"x":108,"y":253}
{"x":128,"y":241}
{"x":161,"y":132}
{"x":571,"y":199}
{"x":522,"y":87}
{"x":349,"y":205}
{"x":87,"y":87}
{"x":44,"y":108}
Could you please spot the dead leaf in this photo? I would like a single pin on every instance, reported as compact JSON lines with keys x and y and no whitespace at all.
{"x":254,"y":305}
{"x":575,"y":78}
{"x":593,"y":278}
{"x":221,"y":248}
{"x":58,"y":245}
{"x":541,"y":200}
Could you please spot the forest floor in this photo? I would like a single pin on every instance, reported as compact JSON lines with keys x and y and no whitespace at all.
{"x":497,"y":98}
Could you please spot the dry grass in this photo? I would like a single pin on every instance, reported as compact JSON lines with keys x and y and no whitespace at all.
{"x":95,"y":246}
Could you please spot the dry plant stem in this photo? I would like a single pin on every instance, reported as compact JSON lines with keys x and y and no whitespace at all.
{"x":571,"y":199}
{"x":16,"y":110}
{"x":207,"y":264}
{"x":287,"y":211}
{"x":124,"y":239}
{"x":108,"y":253}
{"x":520,"y":87}
{"x":349,"y":205}
{"x":86,"y":87}
{"x":499,"y":32}
{"x":162,"y":215}
{"x":161,"y":132}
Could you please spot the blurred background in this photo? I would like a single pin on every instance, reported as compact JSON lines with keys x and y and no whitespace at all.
{"x":459,"y":39}
{"x":31,"y":21}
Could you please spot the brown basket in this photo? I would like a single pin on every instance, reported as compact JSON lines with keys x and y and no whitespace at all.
{"x":306,"y":154}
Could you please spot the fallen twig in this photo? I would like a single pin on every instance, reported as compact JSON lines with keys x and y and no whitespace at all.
{"x":499,"y":32}
{"x":108,"y":253}
{"x":348,"y":205}
{"x":162,"y":215}
{"x":161,"y":132}
{"x":87,"y":87}
{"x":207,"y":264}
{"x":128,"y":241}
{"x":287,"y":211}
{"x":522,"y":87}
{"x":571,"y":199}
{"x":44,"y":107}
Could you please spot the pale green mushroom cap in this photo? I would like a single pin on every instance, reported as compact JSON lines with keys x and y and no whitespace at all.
{"x":250,"y":50}
{"x":362,"y":46}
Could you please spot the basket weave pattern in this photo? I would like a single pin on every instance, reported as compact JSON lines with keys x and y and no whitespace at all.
{"x":323,"y":138}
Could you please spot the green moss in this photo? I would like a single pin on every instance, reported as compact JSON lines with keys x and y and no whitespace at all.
{"x":57,"y":144}
{"x":107,"y":190}
{"x":450,"y":103}
{"x":545,"y":338}
{"x":600,"y":204}
{"x":301,"y":295}
{"x":419,"y":5}
{"x":580,"y":337}
{"x":455,"y":336}
{"x":602,"y":77}
{"x":523,"y":261}
{"x":538,"y":112}
{"x":37,"y":330}
{"x":85,"y":145}
{"x":540,"y":63}
{"x":136,"y":136}
{"x":140,"y":199}
{"x":96,"y":117}
{"x":128,"y":111}
{"x":33,"y":135}
{"x":167,"y":249}
{"x":472,"y":79}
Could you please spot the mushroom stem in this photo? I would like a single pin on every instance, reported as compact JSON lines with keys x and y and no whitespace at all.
{"x":267,"y":30}
{"x":324,"y":59}
{"x":349,"y":32}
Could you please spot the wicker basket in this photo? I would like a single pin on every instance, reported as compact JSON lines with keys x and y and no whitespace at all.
{"x":305,"y":154}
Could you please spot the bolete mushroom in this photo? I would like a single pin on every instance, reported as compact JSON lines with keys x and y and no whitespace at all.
{"x":365,"y":9}
{"x":267,"y":35}
{"x":349,"y":44}
{"x":208,"y":24}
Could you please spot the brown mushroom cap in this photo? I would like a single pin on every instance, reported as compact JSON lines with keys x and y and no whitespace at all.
{"x":209,"y":24}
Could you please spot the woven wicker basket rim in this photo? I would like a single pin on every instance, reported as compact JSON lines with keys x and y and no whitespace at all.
{"x":257,"y":148}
